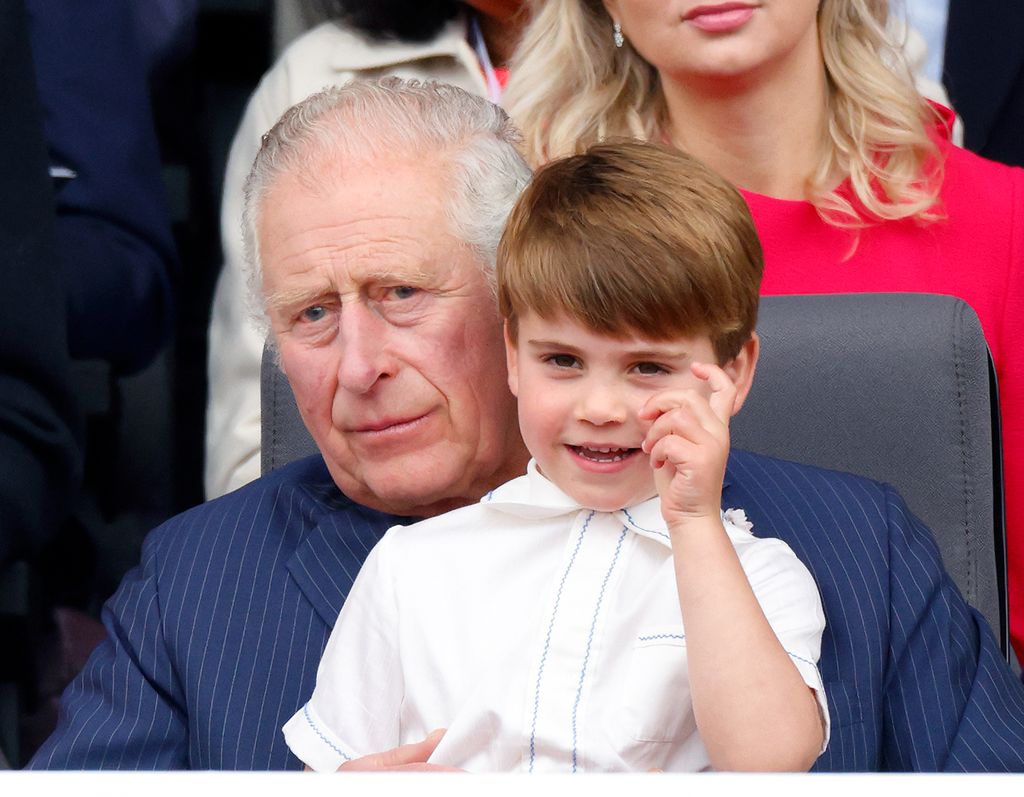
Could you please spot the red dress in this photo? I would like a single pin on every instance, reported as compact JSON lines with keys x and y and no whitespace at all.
{"x":976,"y":254}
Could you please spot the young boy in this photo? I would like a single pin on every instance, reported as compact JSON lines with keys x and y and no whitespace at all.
{"x":601,"y":612}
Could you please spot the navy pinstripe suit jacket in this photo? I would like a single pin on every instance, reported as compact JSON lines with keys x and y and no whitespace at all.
{"x":214,"y":640}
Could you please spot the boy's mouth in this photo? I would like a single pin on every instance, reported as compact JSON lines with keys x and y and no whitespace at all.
{"x":604,"y":454}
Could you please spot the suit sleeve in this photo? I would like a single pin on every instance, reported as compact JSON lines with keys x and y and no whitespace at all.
{"x":951,"y":702}
{"x":125,"y":709}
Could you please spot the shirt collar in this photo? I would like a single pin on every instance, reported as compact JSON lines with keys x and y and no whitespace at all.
{"x":535,"y":497}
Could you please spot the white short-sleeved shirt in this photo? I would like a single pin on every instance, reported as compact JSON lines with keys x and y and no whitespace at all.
{"x":544,"y":636}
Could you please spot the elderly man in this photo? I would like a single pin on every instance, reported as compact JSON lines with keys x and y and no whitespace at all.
{"x":373,"y":213}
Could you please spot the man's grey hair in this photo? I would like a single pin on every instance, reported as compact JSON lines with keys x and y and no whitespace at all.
{"x":473,"y":139}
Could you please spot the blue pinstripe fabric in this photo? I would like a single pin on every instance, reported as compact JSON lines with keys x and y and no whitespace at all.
{"x":215,"y":639}
{"x":914,"y":677}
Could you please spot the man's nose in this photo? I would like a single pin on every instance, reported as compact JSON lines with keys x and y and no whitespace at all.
{"x":600,"y":404}
{"x":364,"y":360}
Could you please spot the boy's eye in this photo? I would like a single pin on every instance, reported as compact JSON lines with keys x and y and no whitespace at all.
{"x":562,"y":360}
{"x":650,"y":369}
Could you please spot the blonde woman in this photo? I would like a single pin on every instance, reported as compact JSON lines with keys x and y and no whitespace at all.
{"x":808,"y":108}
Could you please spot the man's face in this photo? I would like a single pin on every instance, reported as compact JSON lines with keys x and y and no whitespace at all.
{"x":389,"y":336}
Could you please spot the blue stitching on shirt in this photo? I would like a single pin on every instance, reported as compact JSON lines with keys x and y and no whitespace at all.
{"x":547,"y":639}
{"x":801,"y":658}
{"x":629,"y":517}
{"x":590,"y":639}
{"x":316,"y":730}
{"x":660,"y":636}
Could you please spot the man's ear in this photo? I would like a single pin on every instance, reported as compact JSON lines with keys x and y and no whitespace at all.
{"x":511,"y":362}
{"x":741,"y":370}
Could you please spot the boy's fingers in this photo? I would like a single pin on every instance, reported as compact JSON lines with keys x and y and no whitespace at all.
{"x":723,"y":389}
{"x":687,"y":414}
{"x":684,"y":422}
{"x":667,"y":400}
{"x":661,"y":403}
{"x":673,"y":450}
{"x":403,"y":757}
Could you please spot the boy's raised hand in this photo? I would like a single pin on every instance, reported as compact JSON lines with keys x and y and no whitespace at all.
{"x":688,"y":444}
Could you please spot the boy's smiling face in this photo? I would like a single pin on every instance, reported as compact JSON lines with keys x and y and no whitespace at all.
{"x":580,"y":393}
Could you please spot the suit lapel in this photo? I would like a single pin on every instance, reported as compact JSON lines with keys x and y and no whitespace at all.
{"x":326,"y":561}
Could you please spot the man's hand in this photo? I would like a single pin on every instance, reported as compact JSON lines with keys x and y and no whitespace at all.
{"x":688,"y":443}
{"x":407,"y":758}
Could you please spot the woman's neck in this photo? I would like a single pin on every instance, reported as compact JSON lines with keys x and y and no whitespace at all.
{"x":762,"y":135}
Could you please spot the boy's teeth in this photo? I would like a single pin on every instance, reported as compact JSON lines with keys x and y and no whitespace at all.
{"x":602,"y":454}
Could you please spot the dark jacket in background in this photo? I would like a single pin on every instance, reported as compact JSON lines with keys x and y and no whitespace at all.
{"x":39,"y":459}
{"x":984,"y":75}
{"x":113,"y":229}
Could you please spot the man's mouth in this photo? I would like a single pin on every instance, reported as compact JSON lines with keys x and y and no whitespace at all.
{"x":385,"y":425}
{"x":604,"y":453}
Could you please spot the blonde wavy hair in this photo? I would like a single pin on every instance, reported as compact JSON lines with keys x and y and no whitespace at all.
{"x":570,"y":87}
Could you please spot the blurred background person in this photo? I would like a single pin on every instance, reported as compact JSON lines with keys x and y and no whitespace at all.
{"x":40,"y":457}
{"x":96,"y":67}
{"x":114,"y":242}
{"x":39,"y":453}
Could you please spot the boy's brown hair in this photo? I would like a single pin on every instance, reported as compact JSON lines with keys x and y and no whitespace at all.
{"x":631,"y":238}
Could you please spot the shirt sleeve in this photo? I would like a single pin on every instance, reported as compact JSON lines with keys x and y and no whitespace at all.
{"x":791,"y":603}
{"x":359,"y":690}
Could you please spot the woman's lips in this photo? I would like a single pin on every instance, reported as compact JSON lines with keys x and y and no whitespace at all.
{"x":719,"y":18}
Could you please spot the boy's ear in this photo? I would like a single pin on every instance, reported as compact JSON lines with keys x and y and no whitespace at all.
{"x":741,"y":370}
{"x":511,"y":362}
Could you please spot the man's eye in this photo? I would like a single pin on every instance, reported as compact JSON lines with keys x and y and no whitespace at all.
{"x":563,"y":360}
{"x":314,"y":313}
{"x":403,"y":291}
{"x":649,"y":369}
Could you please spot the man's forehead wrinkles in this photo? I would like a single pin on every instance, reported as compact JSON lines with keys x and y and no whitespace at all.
{"x":362,"y":242}
{"x":357,"y":251}
{"x":333,"y":269}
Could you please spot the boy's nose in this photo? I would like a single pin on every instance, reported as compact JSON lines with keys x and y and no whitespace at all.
{"x":600,"y":406}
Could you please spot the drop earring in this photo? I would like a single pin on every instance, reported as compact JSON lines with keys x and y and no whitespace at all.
{"x":617,"y":36}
